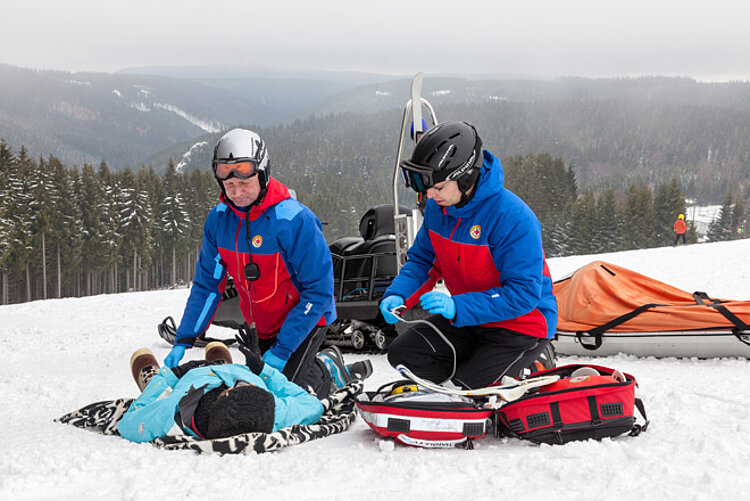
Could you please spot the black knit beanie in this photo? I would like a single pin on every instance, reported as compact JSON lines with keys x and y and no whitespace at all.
{"x":241,"y":409}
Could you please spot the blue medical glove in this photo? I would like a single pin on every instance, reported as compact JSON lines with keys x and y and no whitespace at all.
{"x":174,"y":356}
{"x":389,"y":303}
{"x":274,"y":361}
{"x":438,"y":303}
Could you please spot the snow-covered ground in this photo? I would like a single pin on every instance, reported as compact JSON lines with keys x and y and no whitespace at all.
{"x":59,"y":355}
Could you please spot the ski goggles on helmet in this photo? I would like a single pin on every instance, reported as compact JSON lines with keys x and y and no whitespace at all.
{"x":241,"y":168}
{"x":421,"y":178}
{"x":418,"y":177}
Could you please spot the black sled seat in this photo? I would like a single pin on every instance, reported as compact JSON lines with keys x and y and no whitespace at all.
{"x":364,"y":266}
{"x":229,"y":313}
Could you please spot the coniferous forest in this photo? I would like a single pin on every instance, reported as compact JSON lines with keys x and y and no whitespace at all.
{"x":69,"y":231}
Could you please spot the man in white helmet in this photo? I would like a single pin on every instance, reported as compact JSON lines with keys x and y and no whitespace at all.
{"x":274,"y":249}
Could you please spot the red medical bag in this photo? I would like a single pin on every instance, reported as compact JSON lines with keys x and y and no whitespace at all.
{"x":597,"y":405}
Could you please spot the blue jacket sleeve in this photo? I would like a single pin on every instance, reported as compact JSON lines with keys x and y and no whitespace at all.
{"x":149,"y":416}
{"x":309,"y":261}
{"x":205,"y":295}
{"x":293,"y":404}
{"x":517,"y":253}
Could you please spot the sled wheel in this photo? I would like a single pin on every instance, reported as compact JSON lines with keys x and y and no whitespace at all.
{"x":379,"y":339}
{"x":358,"y":339}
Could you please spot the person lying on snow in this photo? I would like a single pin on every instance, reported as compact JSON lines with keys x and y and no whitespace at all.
{"x":215,"y":398}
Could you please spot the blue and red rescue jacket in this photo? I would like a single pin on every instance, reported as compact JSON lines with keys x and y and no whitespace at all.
{"x":489,"y":254}
{"x":295,"y":290}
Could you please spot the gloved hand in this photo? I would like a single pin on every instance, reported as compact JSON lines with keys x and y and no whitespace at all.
{"x":439,"y":303}
{"x":174,"y":356}
{"x":274,"y":361}
{"x":247,"y":342}
{"x":389,"y":303}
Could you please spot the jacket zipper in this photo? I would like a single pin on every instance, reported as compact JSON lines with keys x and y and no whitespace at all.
{"x":450,"y":238}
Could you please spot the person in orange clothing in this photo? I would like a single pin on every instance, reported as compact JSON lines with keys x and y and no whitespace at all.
{"x":679,"y":228}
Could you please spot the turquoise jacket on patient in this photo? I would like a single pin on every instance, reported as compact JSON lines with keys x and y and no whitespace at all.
{"x":152,"y":415}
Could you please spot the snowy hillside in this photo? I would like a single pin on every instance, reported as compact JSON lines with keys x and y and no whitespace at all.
{"x":59,"y":355}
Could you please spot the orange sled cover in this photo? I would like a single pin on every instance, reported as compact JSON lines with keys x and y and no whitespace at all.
{"x":607,"y":298}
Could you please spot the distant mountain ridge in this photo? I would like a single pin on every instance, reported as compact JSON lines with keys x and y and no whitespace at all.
{"x":89,"y":117}
{"x":611,"y":130}
{"x":291,"y":92}
{"x":454,"y":90}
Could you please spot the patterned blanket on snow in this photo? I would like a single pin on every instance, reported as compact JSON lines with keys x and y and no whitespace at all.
{"x":338,"y":415}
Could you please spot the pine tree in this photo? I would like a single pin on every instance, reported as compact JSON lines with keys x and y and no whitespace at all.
{"x":45,"y":207}
{"x":608,"y":237}
{"x":639,"y":219}
{"x":21,"y":216}
{"x":721,"y":228}
{"x":7,"y":164}
{"x":201,"y":194}
{"x":101,"y":239}
{"x":738,"y":218}
{"x":668,"y":203}
{"x":67,"y":228}
{"x":135,"y":221}
{"x":584,"y":225}
{"x":174,"y":221}
{"x":556,"y":234}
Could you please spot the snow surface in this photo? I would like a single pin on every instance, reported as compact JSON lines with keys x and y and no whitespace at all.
{"x":59,"y":355}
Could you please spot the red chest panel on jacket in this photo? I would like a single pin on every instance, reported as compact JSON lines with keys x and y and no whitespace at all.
{"x":464,"y":267}
{"x":470,"y":268}
{"x":271,"y":297}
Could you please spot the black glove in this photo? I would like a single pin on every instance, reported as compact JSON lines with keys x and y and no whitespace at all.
{"x":183,"y":369}
{"x":247,"y":342}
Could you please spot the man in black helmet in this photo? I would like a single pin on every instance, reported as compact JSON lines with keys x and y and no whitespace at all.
{"x":274,"y":249}
{"x":486,"y":245}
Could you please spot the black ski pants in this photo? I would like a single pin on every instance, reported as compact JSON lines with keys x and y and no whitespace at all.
{"x":483,"y":355}
{"x":677,"y":236}
{"x":303,"y":367}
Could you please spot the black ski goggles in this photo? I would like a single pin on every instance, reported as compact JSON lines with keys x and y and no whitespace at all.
{"x":421,"y":178}
{"x":418,"y":177}
{"x":242,"y":168}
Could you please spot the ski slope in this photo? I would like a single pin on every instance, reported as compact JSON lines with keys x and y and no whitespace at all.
{"x":59,"y":355}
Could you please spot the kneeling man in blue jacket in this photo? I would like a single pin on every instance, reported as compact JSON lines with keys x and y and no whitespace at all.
{"x":485,"y":243}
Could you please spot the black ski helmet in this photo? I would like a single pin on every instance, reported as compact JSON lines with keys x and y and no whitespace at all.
{"x":242,"y":145}
{"x":449,"y":151}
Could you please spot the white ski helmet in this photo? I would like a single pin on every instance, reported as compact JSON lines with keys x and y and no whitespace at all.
{"x":241,"y":153}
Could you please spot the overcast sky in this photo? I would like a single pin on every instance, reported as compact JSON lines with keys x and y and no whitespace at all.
{"x":705,"y":39}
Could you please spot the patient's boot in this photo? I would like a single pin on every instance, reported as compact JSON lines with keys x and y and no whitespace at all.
{"x":143,"y":366}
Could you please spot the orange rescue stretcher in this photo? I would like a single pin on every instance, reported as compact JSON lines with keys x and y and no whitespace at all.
{"x":605,"y":309}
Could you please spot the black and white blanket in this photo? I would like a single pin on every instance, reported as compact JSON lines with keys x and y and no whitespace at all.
{"x":338,"y":415}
